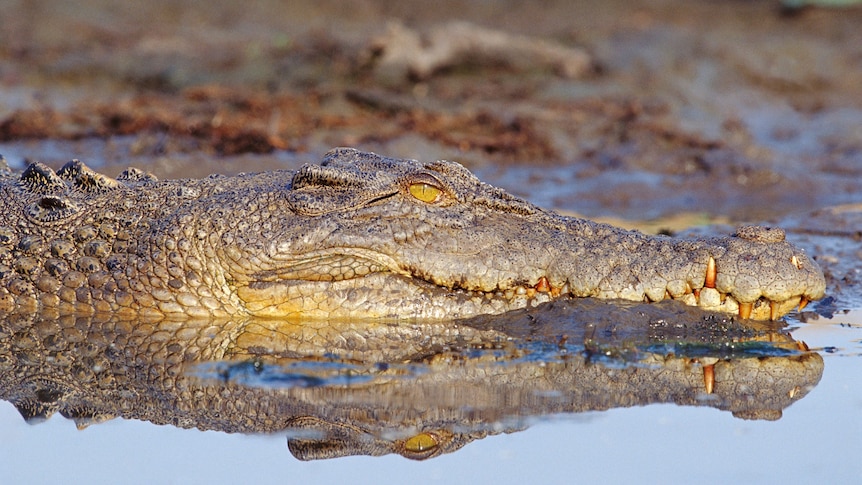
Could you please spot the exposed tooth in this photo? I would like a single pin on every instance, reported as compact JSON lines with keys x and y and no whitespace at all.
{"x":709,"y":377}
{"x":543,"y":285}
{"x":520,"y":290}
{"x":531,"y":292}
{"x":801,"y":345}
{"x":745,"y":310}
{"x":773,"y":310}
{"x":709,"y":282}
{"x":795,"y":261}
{"x":802,"y":303}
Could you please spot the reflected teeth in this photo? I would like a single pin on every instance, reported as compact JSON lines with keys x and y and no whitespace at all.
{"x":774,"y":309}
{"x":795,"y":261}
{"x":745,"y":310}
{"x":709,"y":377}
{"x":709,"y":282}
{"x":802,"y":303}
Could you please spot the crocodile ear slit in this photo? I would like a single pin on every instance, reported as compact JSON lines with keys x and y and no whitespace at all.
{"x":51,"y":208}
{"x":321,"y":189}
{"x":318,"y":201}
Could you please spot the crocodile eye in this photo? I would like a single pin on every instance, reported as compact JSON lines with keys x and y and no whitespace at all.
{"x":425,"y":192}
{"x":421,"y":443}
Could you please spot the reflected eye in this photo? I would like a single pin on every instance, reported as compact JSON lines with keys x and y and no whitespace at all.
{"x":425,"y":192}
{"x":421,"y":442}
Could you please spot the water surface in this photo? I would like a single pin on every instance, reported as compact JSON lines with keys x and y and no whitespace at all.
{"x":815,"y":439}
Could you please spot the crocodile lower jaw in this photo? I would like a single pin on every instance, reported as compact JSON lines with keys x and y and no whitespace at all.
{"x":394,"y":296}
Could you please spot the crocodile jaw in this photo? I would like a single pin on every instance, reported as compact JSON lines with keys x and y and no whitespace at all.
{"x":398,"y":295}
{"x":754,"y":274}
{"x":390,"y":296}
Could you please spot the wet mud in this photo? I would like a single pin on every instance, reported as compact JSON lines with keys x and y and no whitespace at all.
{"x":731,"y":109}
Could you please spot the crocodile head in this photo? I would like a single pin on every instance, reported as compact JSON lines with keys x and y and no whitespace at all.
{"x":382,"y":237}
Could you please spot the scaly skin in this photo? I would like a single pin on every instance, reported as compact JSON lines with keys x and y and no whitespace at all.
{"x":358,"y":236}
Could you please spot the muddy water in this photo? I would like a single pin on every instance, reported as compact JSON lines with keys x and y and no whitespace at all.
{"x":693,"y":113}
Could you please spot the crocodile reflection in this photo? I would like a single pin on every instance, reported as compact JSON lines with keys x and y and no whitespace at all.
{"x":417,"y":389}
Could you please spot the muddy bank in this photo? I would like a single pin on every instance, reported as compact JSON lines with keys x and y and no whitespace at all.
{"x":728,"y":109}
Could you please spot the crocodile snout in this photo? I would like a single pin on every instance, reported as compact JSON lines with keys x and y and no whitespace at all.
{"x":765,"y":275}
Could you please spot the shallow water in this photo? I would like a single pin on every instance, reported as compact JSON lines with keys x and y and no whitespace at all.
{"x":815,"y":439}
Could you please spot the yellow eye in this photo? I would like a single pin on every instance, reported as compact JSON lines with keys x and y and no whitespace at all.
{"x":421,"y":442}
{"x":425,"y":192}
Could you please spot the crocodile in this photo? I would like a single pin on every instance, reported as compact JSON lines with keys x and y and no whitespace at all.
{"x":359,"y":235}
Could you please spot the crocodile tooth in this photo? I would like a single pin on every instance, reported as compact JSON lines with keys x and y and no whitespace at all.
{"x":543,"y":285}
{"x":773,"y":310}
{"x":802,"y":303}
{"x":801,"y":345}
{"x":795,"y":261}
{"x":709,"y":377}
{"x":531,"y":292}
{"x":745,"y":309}
{"x":709,"y":282}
